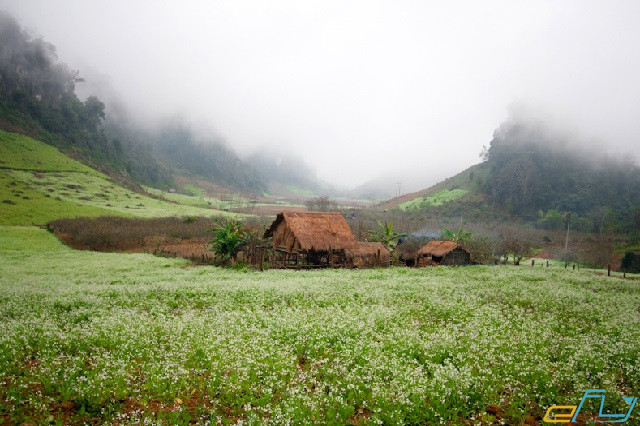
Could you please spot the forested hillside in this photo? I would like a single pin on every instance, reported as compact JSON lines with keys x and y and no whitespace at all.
{"x":541,"y":174}
{"x":536,"y":173}
{"x":37,"y":98}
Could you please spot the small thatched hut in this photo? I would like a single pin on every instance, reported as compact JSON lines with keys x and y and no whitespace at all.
{"x":446,"y":252}
{"x":310,"y":239}
{"x":368,"y":254}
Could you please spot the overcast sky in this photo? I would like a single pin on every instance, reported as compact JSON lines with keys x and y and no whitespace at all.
{"x":359,"y":88}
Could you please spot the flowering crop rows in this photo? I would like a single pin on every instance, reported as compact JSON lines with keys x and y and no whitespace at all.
{"x":104,"y":338}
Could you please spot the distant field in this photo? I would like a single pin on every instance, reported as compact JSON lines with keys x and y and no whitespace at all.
{"x":92,"y":337}
{"x":39,"y":184}
{"x":232,"y":202}
{"x":437,"y":199}
{"x":300,"y":191}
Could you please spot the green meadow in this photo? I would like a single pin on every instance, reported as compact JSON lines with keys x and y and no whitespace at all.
{"x":39,"y":184}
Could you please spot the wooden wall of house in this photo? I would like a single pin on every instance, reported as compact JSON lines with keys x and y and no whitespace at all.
{"x":457,"y":257}
{"x":284,"y":237}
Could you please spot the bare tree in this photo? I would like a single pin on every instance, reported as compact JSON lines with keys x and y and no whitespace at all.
{"x":516,"y":246}
{"x":322,"y":204}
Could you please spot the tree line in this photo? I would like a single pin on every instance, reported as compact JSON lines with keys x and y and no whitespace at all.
{"x":540,"y":177}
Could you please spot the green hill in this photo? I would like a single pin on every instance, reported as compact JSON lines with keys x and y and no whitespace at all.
{"x":456,"y":196}
{"x":19,"y":152}
{"x":38,"y":184}
{"x":538,"y":175}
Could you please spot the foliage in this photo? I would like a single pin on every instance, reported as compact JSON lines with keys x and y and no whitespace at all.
{"x":229,"y":237}
{"x":386,"y":235}
{"x":133,"y":338}
{"x":458,"y":236}
{"x":552,"y":219}
{"x":630,"y":262}
{"x":532,"y":168}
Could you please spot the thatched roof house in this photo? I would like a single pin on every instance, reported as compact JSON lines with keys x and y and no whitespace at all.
{"x":312,"y":238}
{"x":318,"y":231}
{"x":439,"y":252}
{"x":368,"y":254}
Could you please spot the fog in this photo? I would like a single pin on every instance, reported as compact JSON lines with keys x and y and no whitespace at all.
{"x":358,"y":89}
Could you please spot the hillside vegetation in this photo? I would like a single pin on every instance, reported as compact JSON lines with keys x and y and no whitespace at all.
{"x":38,"y":184}
{"x":533,"y":173}
{"x":534,"y":170}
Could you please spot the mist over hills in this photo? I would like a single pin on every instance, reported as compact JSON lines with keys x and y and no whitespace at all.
{"x":534,"y":167}
{"x":38,"y":98}
{"x":536,"y":170}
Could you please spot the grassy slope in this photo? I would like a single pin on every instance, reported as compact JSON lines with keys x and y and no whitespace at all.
{"x":19,"y":152}
{"x":437,"y":199}
{"x":20,"y":204}
{"x":461,"y":181}
{"x":124,"y":337}
{"x":455,"y":197}
{"x":45,"y":185}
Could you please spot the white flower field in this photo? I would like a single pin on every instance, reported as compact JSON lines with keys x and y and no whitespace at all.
{"x":90,"y":337}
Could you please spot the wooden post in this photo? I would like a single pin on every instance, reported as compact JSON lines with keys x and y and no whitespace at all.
{"x":533,"y":262}
{"x":609,"y":270}
{"x":261,"y":259}
{"x":574,"y":266}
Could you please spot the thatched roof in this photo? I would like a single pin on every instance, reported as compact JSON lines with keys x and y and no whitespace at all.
{"x":313,"y":230}
{"x":368,"y":249}
{"x":439,"y":248}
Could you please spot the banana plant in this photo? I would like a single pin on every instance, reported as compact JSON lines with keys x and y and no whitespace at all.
{"x":457,"y":236}
{"x":386,"y":235}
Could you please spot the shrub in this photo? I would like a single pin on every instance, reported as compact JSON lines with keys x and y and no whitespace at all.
{"x":630,"y":262}
{"x":228,"y":239}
